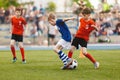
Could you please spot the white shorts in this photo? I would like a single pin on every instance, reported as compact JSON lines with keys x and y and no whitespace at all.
{"x":64,"y":44}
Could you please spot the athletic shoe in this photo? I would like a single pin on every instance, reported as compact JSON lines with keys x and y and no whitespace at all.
{"x":14,"y":59}
{"x":96,"y":65}
{"x":64,"y":67}
{"x":24,"y":61}
{"x":69,"y":61}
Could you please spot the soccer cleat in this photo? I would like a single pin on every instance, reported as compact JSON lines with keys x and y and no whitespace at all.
{"x":69,"y":61}
{"x":64,"y":67}
{"x":96,"y":65}
{"x":14,"y":59}
{"x":24,"y":61}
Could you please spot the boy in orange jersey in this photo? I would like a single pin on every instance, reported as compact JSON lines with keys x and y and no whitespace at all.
{"x":87,"y":25}
{"x":17,"y":29}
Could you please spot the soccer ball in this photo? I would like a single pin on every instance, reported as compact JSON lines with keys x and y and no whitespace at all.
{"x":73,"y":65}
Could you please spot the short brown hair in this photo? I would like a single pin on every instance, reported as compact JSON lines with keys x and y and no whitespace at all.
{"x":86,"y":11}
{"x":51,"y":16}
{"x":19,"y":9}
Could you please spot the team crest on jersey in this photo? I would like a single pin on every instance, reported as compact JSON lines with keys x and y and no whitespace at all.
{"x":87,"y":26}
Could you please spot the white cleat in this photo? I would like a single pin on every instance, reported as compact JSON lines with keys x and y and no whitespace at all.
{"x":96,"y":65}
{"x":69,"y":61}
{"x":24,"y":61}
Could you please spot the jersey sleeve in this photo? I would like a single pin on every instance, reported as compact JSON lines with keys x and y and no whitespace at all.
{"x":24,"y":21}
{"x":56,"y":27}
{"x":11,"y":20}
{"x":59,"y":21}
{"x":92,"y":22}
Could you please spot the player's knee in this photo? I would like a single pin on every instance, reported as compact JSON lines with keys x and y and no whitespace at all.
{"x":72,"y":49}
{"x":84,"y":52}
{"x":55,"y":49}
{"x":20,"y":46}
{"x":11,"y":45}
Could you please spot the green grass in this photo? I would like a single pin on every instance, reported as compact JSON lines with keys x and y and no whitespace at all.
{"x":45,"y":65}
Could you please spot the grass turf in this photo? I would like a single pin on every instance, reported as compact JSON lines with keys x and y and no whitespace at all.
{"x":45,"y":65}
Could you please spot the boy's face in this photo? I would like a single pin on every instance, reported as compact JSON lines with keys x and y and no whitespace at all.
{"x":17,"y":13}
{"x":86,"y":16}
{"x":52,"y":22}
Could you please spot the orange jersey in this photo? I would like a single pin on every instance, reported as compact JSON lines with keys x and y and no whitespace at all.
{"x":18,"y":25}
{"x":85,"y":29}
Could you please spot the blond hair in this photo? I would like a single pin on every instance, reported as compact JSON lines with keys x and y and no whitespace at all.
{"x":51,"y":16}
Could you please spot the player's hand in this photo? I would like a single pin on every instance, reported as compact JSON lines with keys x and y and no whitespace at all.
{"x":66,"y":19}
{"x":10,"y":31}
{"x":73,"y":18}
{"x":25,"y":35}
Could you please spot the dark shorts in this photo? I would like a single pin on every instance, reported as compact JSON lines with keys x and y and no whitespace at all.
{"x":51,"y":36}
{"x":18,"y":38}
{"x":79,"y":41}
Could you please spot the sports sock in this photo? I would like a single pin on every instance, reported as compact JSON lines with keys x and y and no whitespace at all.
{"x":90,"y":58}
{"x":22,"y":53}
{"x":63,"y":57}
{"x":13,"y":51}
{"x":70,"y":54}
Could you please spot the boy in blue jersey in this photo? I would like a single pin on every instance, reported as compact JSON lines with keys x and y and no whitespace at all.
{"x":65,"y":42}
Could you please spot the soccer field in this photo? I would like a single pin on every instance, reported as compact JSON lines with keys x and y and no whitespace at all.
{"x":45,"y":65}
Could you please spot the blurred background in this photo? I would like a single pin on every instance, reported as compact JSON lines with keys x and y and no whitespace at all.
{"x":106,"y":13}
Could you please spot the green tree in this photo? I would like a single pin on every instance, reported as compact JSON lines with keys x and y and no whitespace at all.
{"x":88,"y":4}
{"x":7,"y":3}
{"x":51,"y":7}
{"x":78,"y":10}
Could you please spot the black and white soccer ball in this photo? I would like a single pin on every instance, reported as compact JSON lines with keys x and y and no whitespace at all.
{"x":73,"y":65}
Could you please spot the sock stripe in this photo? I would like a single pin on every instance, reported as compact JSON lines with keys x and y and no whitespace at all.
{"x":59,"y":52}
{"x":67,"y":58}
{"x":63,"y":58}
{"x":61,"y":55}
{"x":64,"y":61}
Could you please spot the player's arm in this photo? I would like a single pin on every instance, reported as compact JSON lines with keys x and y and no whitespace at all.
{"x":97,"y":28}
{"x":10,"y":30}
{"x":67,"y":19}
{"x":95,"y":25}
{"x":56,"y":30}
{"x":25,"y":27}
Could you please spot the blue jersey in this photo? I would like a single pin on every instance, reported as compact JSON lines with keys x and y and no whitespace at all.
{"x":63,"y":29}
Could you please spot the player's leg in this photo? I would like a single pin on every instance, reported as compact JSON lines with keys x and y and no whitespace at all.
{"x":84,"y":51}
{"x":90,"y":57}
{"x":22,"y":51}
{"x":83,"y":44}
{"x":20,"y":44}
{"x":62,"y":55}
{"x":74,"y":46}
{"x":70,"y":53}
{"x":51,"y":39}
{"x":58,"y":49}
{"x":12,"y":47}
{"x":40,"y":37}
